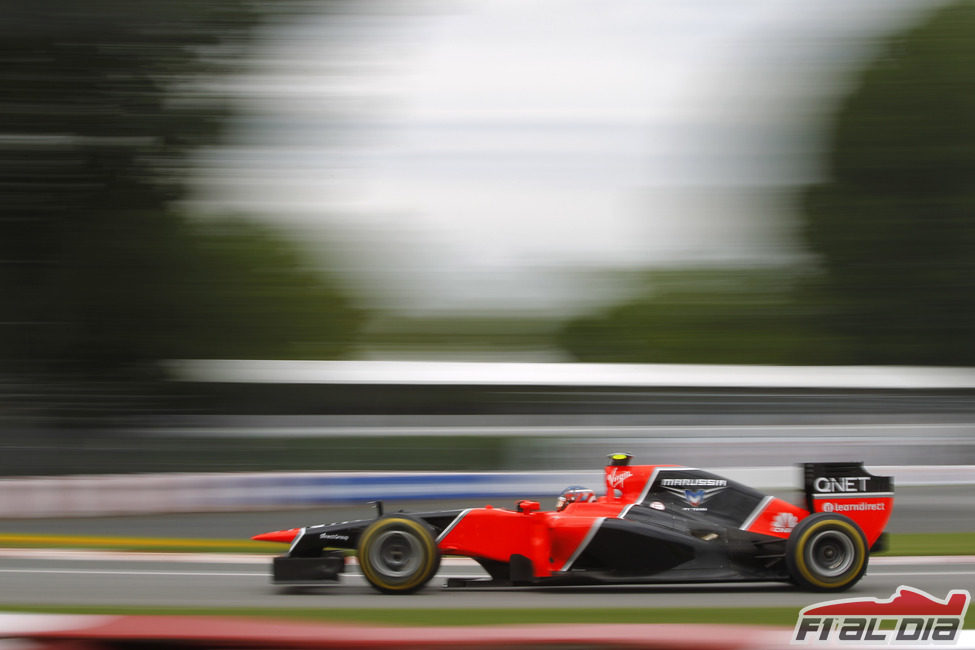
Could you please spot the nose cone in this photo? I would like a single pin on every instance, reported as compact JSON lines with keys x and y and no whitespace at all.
{"x":283,"y":536}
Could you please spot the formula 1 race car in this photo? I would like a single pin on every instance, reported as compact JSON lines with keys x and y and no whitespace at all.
{"x":655,"y":524}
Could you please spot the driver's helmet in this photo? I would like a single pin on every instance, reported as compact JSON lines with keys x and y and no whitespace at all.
{"x":574,"y":494}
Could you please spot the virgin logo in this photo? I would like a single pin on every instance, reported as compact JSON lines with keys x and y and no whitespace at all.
{"x":616,"y":479}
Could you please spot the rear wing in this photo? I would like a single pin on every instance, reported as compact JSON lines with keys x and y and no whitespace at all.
{"x":849,"y":489}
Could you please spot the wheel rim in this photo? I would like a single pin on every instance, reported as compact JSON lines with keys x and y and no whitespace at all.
{"x":396,"y":554}
{"x":831,"y":553}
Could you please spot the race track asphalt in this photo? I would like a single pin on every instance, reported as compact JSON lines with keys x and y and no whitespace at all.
{"x":39,"y":577}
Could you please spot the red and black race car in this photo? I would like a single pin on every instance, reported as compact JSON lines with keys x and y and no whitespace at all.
{"x":655,"y":524}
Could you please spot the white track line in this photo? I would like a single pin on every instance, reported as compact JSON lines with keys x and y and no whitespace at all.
{"x":145,"y":556}
{"x":137,"y":556}
{"x":126,"y":572}
{"x":922,"y":573}
{"x":902,"y":560}
{"x":344,"y":578}
{"x":265,"y":560}
{"x":193,"y":574}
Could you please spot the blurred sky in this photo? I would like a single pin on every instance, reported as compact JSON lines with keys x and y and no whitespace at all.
{"x":504,"y":154}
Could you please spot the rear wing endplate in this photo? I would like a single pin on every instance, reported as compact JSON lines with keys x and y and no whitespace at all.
{"x":842,"y":480}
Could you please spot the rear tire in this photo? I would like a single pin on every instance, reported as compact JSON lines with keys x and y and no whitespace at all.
{"x":826,"y":552}
{"x":398,"y":554}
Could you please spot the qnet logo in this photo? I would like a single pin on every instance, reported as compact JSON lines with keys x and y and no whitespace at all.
{"x":909,"y":617}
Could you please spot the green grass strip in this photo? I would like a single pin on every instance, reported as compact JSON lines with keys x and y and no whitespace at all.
{"x":154,"y":544}
{"x":782,"y":616}
{"x":931,"y":544}
{"x":773,"y":616}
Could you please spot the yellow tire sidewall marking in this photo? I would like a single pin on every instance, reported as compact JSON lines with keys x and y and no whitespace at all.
{"x":801,"y":547}
{"x":422,"y":534}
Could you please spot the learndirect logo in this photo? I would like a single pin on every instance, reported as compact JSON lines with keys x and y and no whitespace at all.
{"x":861,"y":506}
{"x":909,"y":617}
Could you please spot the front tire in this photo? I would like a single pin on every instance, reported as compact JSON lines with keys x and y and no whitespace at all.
{"x":826,"y":552}
{"x":398,"y":554}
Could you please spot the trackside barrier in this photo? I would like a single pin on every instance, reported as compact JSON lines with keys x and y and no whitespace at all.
{"x":614,"y":375}
{"x":209,"y":632}
{"x":170,"y":493}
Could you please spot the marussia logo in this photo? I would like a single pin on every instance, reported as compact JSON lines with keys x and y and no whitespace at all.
{"x":784,"y":522}
{"x":616,"y":479}
{"x":916,"y":616}
{"x":696,"y":498}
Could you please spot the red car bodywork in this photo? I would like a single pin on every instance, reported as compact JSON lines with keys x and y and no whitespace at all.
{"x":552,"y":539}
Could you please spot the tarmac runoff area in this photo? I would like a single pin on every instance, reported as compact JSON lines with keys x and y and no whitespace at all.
{"x":49,"y":577}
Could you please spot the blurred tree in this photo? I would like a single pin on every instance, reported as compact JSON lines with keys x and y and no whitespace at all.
{"x":705,"y":316}
{"x":248,"y":293}
{"x":893,"y":229}
{"x":894,"y":226}
{"x":100,"y":273}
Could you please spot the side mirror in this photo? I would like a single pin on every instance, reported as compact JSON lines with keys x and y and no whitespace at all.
{"x":528,"y":507}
